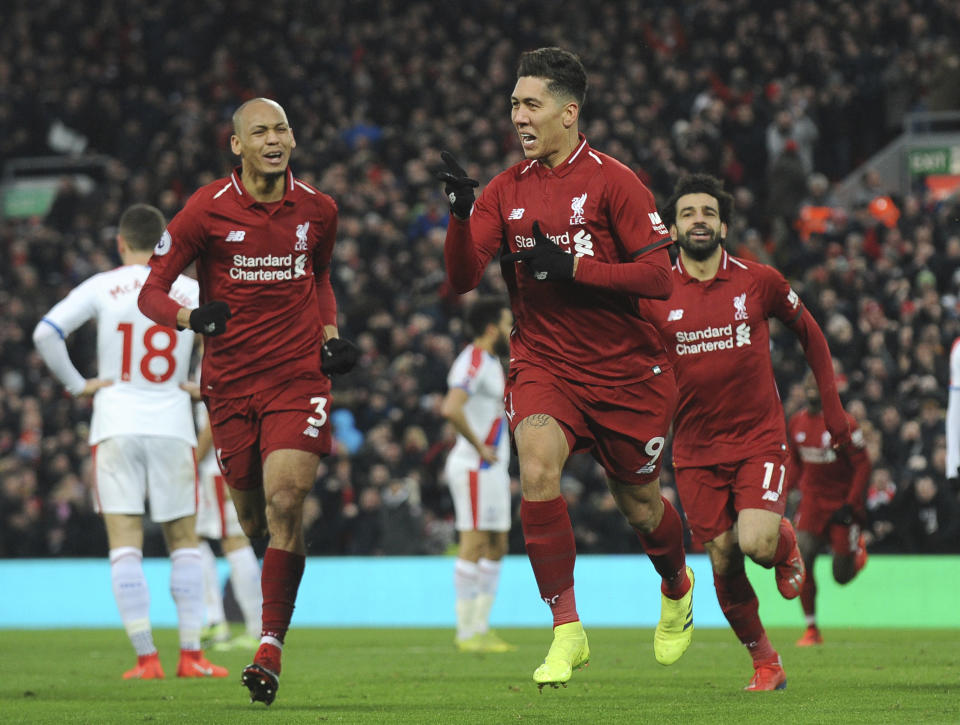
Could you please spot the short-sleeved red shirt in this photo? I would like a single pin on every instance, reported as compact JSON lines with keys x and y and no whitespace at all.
{"x":592,"y":206}
{"x":717,"y":335}
{"x":269,"y":263}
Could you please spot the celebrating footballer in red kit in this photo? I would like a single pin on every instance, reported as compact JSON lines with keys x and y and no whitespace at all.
{"x":262,"y":240}
{"x":729,"y":447}
{"x":581,"y":238}
{"x":832,"y":507}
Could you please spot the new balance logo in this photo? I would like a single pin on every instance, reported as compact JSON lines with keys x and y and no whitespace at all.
{"x":675,"y":315}
{"x":743,"y":334}
{"x":312,"y":432}
{"x":645,"y":469}
{"x":235,"y":236}
{"x":516,"y":214}
{"x":771,"y":496}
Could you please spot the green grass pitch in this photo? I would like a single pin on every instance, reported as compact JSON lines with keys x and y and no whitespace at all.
{"x":416,"y":676}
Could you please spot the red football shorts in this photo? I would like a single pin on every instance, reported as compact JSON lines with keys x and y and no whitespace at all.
{"x":813,"y":516}
{"x":713,"y":495}
{"x":624,"y":427}
{"x":247,"y":429}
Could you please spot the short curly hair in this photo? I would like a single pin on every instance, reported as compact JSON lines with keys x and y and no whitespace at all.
{"x":698,"y":184}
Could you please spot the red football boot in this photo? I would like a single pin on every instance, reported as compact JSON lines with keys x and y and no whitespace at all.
{"x":810,"y":637}
{"x":768,"y":676}
{"x":194,"y":664}
{"x":148,"y":668}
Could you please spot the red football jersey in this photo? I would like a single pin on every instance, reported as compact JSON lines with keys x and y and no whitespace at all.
{"x":269,"y":263}
{"x":717,"y":335}
{"x":817,"y":468}
{"x":592,"y":206}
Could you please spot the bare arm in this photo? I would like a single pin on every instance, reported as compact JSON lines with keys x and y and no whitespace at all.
{"x":204,"y":442}
{"x":452,"y":410}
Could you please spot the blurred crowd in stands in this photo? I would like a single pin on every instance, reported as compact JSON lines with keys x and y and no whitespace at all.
{"x":782,"y":100}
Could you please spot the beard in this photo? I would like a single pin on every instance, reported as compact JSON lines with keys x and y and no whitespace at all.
{"x":699,"y":250}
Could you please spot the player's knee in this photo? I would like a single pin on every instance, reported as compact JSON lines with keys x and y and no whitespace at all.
{"x":760,"y":547}
{"x":843,"y":570}
{"x":254,"y":529}
{"x":643,"y":517}
{"x":285,"y":503}
{"x":470,"y":551}
{"x":723,"y":561}
{"x":254,"y":524}
{"x":539,"y":479}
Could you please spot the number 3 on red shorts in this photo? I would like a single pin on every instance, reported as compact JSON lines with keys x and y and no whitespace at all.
{"x":321,"y":403}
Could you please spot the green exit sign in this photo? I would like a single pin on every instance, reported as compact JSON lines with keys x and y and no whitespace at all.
{"x":28,"y":198}
{"x":934,"y":160}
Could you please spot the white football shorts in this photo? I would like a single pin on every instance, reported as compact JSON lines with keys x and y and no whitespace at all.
{"x":481,"y":496}
{"x":128,"y":470}
{"x":216,"y":515}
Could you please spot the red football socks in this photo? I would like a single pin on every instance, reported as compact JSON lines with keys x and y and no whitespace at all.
{"x":564,"y":607}
{"x":664,"y":547}
{"x":740,"y":606}
{"x":550,"y":545}
{"x":280,"y":579}
{"x":268,"y":656}
{"x":785,"y":544}
{"x":808,"y":594}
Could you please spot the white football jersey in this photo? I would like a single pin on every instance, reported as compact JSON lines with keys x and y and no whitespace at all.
{"x":953,"y":413}
{"x":481,"y":375}
{"x":146,"y":361}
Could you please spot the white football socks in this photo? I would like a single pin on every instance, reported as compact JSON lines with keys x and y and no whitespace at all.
{"x":488,"y":580}
{"x":132,"y":597}
{"x":186,"y":586}
{"x":245,"y":579}
{"x":212,"y":596}
{"x":466,"y":577}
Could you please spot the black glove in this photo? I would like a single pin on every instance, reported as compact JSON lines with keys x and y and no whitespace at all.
{"x":843,"y":516}
{"x":210,"y":319}
{"x":459,"y":187}
{"x":339,"y":356}
{"x":545,"y":260}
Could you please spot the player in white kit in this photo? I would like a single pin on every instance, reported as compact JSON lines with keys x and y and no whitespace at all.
{"x":476,"y":472}
{"x":217,"y":520}
{"x":953,"y":416}
{"x":142,"y":436}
